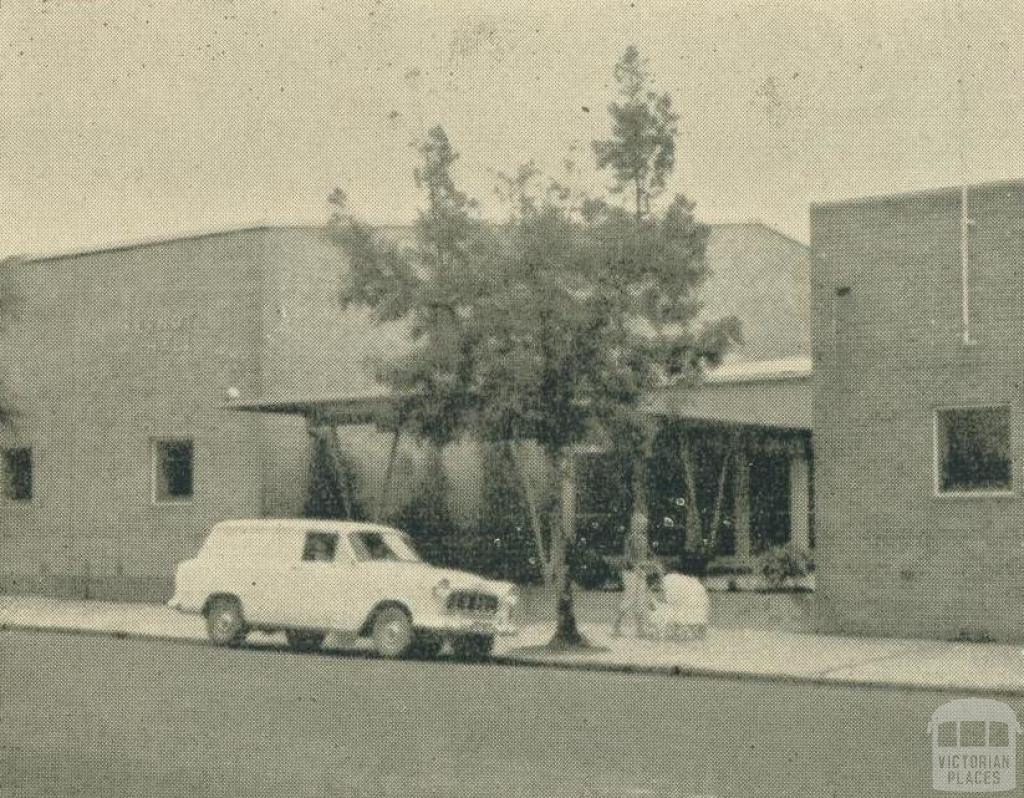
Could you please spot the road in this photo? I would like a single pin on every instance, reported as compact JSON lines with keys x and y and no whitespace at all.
{"x":90,"y":716}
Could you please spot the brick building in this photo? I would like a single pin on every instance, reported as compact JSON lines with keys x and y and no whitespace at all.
{"x":125,"y":367}
{"x":918,"y":326}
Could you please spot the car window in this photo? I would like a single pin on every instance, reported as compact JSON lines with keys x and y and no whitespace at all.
{"x":369,"y":545}
{"x":320,"y":547}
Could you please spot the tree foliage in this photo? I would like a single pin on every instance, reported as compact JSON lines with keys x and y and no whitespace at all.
{"x":642,"y":150}
{"x":549,"y":325}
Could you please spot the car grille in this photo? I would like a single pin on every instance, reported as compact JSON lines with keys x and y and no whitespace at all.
{"x":471,"y":601}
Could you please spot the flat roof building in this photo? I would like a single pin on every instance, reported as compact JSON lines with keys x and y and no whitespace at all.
{"x":918,"y":357}
{"x":127,"y":366}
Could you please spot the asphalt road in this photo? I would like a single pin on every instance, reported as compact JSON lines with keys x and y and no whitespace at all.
{"x":96,"y":716}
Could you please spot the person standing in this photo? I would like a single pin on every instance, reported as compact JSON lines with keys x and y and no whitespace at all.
{"x":635,"y":600}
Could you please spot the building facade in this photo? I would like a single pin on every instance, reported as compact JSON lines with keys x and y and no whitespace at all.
{"x":918,"y":318}
{"x":126,"y":368}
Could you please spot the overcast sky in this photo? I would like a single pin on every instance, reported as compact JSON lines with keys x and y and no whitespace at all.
{"x":130,"y":120}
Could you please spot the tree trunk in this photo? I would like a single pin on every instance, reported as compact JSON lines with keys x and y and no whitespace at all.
{"x":716,"y":517}
{"x":566,"y":630}
{"x":544,"y":558}
{"x":694,"y":524}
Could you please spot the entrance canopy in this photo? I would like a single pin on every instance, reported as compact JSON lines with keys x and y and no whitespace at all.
{"x":770,"y":393}
{"x":336,"y":410}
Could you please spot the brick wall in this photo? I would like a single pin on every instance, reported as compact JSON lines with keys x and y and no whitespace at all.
{"x":111,"y":350}
{"x":107,"y":352}
{"x":893,"y":556}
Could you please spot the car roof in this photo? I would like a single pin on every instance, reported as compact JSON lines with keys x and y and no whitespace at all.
{"x":290,"y":525}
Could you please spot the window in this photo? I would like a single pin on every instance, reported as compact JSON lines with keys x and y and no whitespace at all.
{"x":172,"y":470}
{"x":373,"y":546}
{"x":18,"y":473}
{"x":973,"y":450}
{"x":319,"y":547}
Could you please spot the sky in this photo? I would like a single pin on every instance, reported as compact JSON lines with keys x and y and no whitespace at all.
{"x":123,"y":121}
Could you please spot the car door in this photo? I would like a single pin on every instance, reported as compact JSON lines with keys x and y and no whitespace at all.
{"x":267,"y":595}
{"x":370,"y":580}
{"x":310,"y":594}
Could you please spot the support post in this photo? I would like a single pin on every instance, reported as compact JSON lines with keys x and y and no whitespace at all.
{"x":799,"y":501}
{"x":741,"y":498}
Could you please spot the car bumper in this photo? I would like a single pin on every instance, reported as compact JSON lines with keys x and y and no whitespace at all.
{"x":468,"y":625}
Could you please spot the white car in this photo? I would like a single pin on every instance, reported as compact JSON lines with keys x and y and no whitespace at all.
{"x":309,"y":578}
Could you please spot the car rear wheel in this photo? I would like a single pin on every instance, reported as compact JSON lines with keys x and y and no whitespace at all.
{"x":473,"y":647}
{"x":225,"y":624}
{"x":392,"y":632}
{"x":304,"y":639}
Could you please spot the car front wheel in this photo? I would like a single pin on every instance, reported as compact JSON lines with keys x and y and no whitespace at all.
{"x":392,"y":632}
{"x":304,"y":639}
{"x":225,"y":624}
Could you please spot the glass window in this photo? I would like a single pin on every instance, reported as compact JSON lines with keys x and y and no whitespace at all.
{"x":378,"y":546}
{"x":973,"y":450}
{"x":319,"y":547}
{"x":947,"y":734}
{"x":18,"y":473}
{"x":172,"y":470}
{"x":972,"y":733}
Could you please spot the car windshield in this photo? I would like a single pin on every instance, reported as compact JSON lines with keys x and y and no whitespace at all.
{"x":383,"y":546}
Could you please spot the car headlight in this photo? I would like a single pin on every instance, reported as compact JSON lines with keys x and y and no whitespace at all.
{"x":512,"y":597}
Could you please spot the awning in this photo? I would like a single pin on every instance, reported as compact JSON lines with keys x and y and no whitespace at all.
{"x":773,"y":393}
{"x":338,"y":410}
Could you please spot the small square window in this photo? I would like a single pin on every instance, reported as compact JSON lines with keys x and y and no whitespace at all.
{"x":320,"y":547}
{"x":973,"y":450}
{"x":18,"y":473}
{"x":172,"y":470}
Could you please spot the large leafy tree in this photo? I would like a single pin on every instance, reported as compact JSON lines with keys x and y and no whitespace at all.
{"x":549,"y":326}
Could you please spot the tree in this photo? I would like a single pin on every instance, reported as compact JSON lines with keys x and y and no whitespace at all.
{"x":549,"y":326}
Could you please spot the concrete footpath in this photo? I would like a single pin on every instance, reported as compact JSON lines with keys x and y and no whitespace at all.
{"x":967,"y":668}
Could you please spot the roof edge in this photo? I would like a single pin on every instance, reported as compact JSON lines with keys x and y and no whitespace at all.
{"x":199,"y":235}
{"x":924,"y":192}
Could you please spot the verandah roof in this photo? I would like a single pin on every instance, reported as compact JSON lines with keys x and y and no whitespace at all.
{"x":773,"y":394}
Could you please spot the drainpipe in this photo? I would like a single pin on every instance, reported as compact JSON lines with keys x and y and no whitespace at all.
{"x":965,"y":258}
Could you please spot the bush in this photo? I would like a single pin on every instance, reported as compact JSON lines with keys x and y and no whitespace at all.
{"x":332,"y":489}
{"x":588,"y":568}
{"x":779,"y":565}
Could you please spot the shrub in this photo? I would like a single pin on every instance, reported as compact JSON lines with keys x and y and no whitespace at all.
{"x":590,"y":569}
{"x":779,"y":565}
{"x":332,"y":487}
